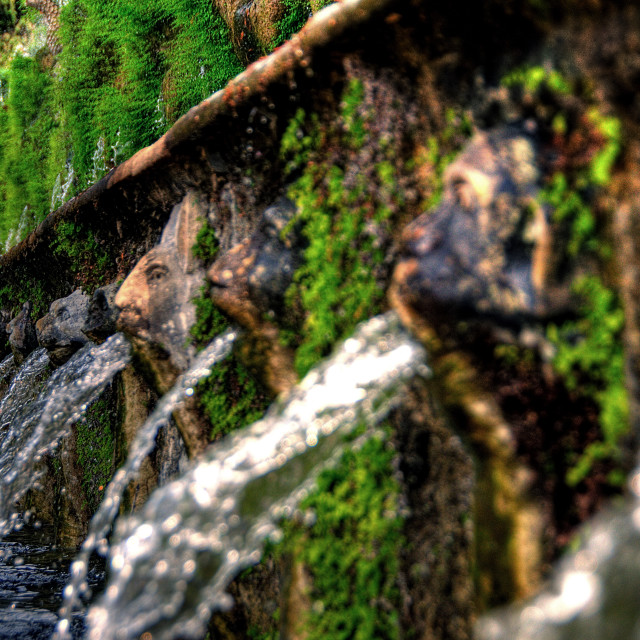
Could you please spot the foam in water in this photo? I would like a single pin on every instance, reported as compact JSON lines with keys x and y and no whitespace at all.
{"x":140,"y":448}
{"x":32,"y":426}
{"x":170,"y":564}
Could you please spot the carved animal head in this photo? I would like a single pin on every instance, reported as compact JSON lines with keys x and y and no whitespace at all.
{"x":102,"y":313}
{"x":22,"y":335}
{"x":486,"y":250}
{"x":154,"y":301}
{"x":60,"y":331}
{"x":249,"y":283}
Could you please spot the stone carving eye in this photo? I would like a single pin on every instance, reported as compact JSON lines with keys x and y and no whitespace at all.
{"x":62,"y":315}
{"x":156,"y":273}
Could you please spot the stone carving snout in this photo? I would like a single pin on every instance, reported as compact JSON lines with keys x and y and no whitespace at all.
{"x":486,"y":250}
{"x":102,"y":313}
{"x":249,"y":285}
{"x":60,"y":331}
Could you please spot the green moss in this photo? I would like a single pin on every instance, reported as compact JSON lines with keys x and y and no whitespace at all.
{"x":96,"y":450}
{"x":295,"y":14}
{"x":589,"y":353}
{"x":535,"y":78}
{"x":439,"y":153}
{"x":88,"y":260}
{"x":230,"y":396}
{"x":352,"y":548}
{"x":12,"y":297}
{"x":127,"y":71}
{"x":26,"y":124}
{"x":336,"y":287}
{"x":207,"y":245}
{"x":590,"y":358}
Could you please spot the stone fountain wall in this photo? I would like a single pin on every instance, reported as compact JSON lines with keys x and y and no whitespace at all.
{"x":393,"y":153}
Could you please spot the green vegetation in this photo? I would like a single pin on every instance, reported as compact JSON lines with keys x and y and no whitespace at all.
{"x":295,"y":15}
{"x":345,"y":218}
{"x":230,"y":397}
{"x":594,"y":365}
{"x":351,"y":550}
{"x":96,"y":450}
{"x":128,"y":69}
{"x":439,"y":153}
{"x":26,"y":120}
{"x":87,"y":259}
{"x":589,"y":354}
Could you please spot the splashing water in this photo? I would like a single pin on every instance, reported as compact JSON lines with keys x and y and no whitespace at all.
{"x":172,"y":562}
{"x":6,"y":368}
{"x":140,"y":448}
{"x":32,"y":427}
{"x":594,"y":592}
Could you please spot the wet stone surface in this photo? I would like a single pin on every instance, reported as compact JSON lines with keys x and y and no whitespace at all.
{"x":486,"y":248}
{"x":60,"y":331}
{"x":22,"y":335}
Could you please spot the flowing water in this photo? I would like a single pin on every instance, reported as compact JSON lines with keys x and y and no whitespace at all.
{"x":140,"y":448}
{"x":594,"y":593}
{"x":33,"y":572}
{"x":35,"y":415}
{"x":170,"y":564}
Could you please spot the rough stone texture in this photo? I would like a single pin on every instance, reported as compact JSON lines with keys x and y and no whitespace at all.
{"x":135,"y":400}
{"x":156,"y":309}
{"x":437,"y":561}
{"x":60,"y":331}
{"x":22,"y":334}
{"x":249,"y":282}
{"x":102,"y":313}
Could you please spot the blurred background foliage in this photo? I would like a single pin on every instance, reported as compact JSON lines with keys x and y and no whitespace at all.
{"x":127,"y":71}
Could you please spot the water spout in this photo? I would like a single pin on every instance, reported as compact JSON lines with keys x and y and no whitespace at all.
{"x":170,"y":564}
{"x":140,"y":448}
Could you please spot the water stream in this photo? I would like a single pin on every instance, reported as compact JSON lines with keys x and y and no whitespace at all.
{"x":138,"y":451}
{"x":35,"y":415}
{"x":170,"y":563}
{"x":594,"y":592}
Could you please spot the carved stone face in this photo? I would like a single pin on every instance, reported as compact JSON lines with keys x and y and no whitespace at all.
{"x":250,"y":280}
{"x":155,"y":299}
{"x":60,"y":331}
{"x":486,"y":248}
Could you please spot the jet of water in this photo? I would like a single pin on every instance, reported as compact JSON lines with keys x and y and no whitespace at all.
{"x":594,"y":593}
{"x":140,"y":448}
{"x":32,"y":426}
{"x":170,"y":564}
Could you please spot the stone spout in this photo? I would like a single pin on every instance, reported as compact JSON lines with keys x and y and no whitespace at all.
{"x":487,"y":249}
{"x":155,"y":301}
{"x":102,"y":313}
{"x":60,"y":331}
{"x":249,"y":284}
